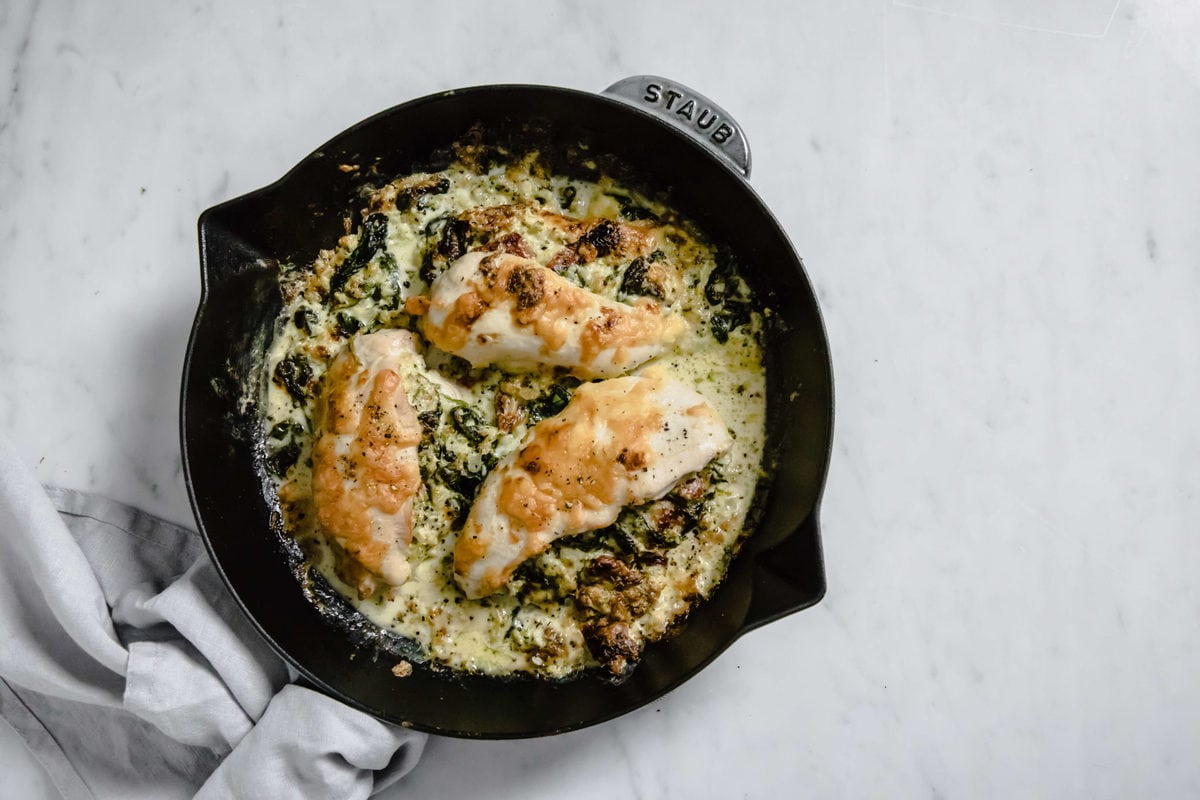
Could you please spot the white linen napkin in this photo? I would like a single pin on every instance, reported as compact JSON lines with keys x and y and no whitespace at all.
{"x":130,"y":672}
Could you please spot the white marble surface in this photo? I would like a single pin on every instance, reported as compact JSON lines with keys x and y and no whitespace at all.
{"x":999,"y":204}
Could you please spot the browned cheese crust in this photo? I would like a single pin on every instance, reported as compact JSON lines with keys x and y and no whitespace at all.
{"x":376,"y":475}
{"x":549,"y":307}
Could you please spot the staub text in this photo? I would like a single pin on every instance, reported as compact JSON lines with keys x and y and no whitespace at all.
{"x":702,"y":118}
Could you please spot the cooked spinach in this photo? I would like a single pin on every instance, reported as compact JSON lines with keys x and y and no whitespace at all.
{"x":304,"y":319}
{"x":734,"y":315}
{"x":631,"y":211}
{"x":286,"y":429}
{"x":457,"y":508}
{"x":282,"y":459}
{"x":455,"y":238}
{"x":372,"y":238}
{"x":429,"y":420}
{"x":532,"y":574}
{"x":295,"y":375}
{"x":632,"y":528}
{"x":548,"y":404}
{"x":419,"y":194}
{"x":436,"y":224}
{"x":429,"y":268}
{"x":348,"y":325}
{"x":721,"y":281}
{"x":636,"y":281}
{"x":719,"y":325}
{"x":726,"y":289}
{"x":458,"y":477}
{"x":467,"y":422}
{"x":566,"y":197}
{"x":604,"y":237}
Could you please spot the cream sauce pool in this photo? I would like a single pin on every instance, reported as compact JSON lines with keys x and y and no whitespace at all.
{"x":671,"y":553}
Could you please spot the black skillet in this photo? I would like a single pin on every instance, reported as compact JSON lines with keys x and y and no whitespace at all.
{"x":673,"y":141}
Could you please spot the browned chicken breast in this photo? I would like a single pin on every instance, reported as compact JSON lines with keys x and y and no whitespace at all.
{"x":500,"y":308}
{"x":618,"y":442}
{"x":365,"y":471}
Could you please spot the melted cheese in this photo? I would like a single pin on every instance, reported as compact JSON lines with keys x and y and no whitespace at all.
{"x":497,"y":308}
{"x":365,"y":472}
{"x":523,"y":627}
{"x":617,"y":443}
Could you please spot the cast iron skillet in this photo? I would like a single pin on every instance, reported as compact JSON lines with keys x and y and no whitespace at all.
{"x":674,"y":141}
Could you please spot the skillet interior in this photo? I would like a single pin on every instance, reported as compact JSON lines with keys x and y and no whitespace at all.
{"x":779,"y":570}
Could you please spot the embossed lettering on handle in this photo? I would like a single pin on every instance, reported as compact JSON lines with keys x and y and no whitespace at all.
{"x":686,"y":108}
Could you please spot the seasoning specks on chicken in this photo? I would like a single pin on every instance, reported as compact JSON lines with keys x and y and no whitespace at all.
{"x":513,"y":423}
{"x":497,"y":308}
{"x":365,"y":472}
{"x":618,"y":442}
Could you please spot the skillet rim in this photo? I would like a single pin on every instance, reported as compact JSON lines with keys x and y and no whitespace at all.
{"x":616,"y":105}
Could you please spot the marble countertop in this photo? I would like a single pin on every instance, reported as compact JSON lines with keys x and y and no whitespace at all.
{"x":998,"y":204}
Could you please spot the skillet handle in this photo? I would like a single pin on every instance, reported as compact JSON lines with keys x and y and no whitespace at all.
{"x":787,"y":578}
{"x":690,"y":111}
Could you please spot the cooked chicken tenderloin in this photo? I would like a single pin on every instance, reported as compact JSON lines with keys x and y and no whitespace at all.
{"x":618,"y":442}
{"x":365,"y":471}
{"x":499,"y":308}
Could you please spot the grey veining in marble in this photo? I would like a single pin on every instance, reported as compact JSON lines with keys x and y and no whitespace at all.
{"x":997,"y":201}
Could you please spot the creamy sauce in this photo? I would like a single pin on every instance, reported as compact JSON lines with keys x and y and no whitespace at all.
{"x":544,"y":619}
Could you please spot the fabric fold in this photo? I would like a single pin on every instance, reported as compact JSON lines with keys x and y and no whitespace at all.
{"x":281,"y":754}
{"x":130,"y":671}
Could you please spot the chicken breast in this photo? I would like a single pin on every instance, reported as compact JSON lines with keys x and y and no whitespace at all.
{"x":618,"y":442}
{"x":499,"y":308}
{"x":365,"y":471}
